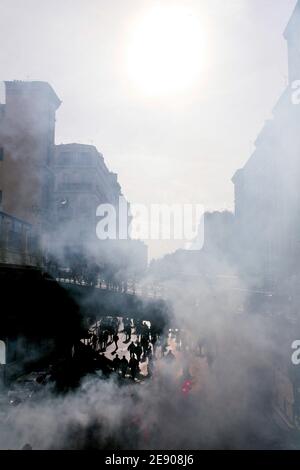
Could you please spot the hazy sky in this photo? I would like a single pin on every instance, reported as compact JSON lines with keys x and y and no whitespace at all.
{"x":175,"y":146}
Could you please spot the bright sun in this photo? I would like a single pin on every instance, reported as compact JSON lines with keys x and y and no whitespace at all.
{"x":166,"y":51}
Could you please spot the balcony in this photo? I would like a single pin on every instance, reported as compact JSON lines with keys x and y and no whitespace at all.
{"x":75,"y":187}
{"x":18,"y":243}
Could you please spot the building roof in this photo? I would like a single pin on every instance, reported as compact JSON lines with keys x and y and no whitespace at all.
{"x":91,"y":149}
{"x":19,"y":86}
{"x":75,"y":147}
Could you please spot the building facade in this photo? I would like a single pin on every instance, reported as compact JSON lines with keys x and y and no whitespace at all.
{"x":27,"y":134}
{"x":49,"y":194}
{"x":267,"y":197}
{"x":82,"y":183}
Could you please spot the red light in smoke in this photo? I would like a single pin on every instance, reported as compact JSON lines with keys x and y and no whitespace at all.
{"x":186,"y":387}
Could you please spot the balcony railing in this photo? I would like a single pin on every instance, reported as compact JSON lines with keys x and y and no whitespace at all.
{"x":18,"y":242}
{"x":75,"y":186}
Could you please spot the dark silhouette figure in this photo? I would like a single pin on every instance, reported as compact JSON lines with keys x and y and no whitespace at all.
{"x":153,"y":340}
{"x":94,"y":341}
{"x":131,"y":349}
{"x":138,"y":351}
{"x":128,"y":333}
{"x":134,"y":367}
{"x":116,"y":363}
{"x":164,"y":347}
{"x":210,"y":358}
{"x":124,"y":366}
{"x":144,"y":344}
{"x":150,"y":366}
{"x":138,"y":329}
{"x":145,"y":330}
{"x":116,"y":339}
{"x":105,"y":339}
{"x":148,"y":352}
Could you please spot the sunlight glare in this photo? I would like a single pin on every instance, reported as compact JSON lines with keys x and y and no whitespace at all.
{"x":167,"y":51}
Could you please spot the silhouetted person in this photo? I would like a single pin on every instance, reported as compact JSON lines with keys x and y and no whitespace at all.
{"x":134,"y":367}
{"x":148,"y":351}
{"x":144,"y":344}
{"x":153,"y":340}
{"x":177,"y":339}
{"x":128,"y":332}
{"x":145,"y":330}
{"x":101,"y":339}
{"x":124,"y":366}
{"x":164,"y":347}
{"x":150,"y":366}
{"x":138,"y":351}
{"x":105,"y":339}
{"x":210,"y":359}
{"x":94,"y":341}
{"x":116,"y":363}
{"x":138,"y":329}
{"x":116,"y":339}
{"x":131,"y":349}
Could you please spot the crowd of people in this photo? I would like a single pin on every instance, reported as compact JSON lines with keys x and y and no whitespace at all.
{"x":137,"y":344}
{"x":112,"y":330}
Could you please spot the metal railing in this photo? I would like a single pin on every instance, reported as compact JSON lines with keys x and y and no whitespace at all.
{"x":18,"y":242}
{"x":75,"y":186}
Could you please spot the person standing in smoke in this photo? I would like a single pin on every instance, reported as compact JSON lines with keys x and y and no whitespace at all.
{"x":116,"y":339}
{"x":148,"y":352}
{"x":164,"y":347}
{"x":94,"y":341}
{"x":138,"y":329}
{"x":153,"y":341}
{"x":116,"y":363}
{"x":138,"y":351}
{"x":124,"y":366}
{"x":131,"y":349}
{"x":145,"y":330}
{"x":127,"y":329}
{"x":150,"y":366}
{"x":177,"y":340}
{"x":128,"y":332}
{"x":116,"y":325}
{"x":134,"y":367}
{"x":210,"y":358}
{"x":144,"y":344}
{"x":105,"y":339}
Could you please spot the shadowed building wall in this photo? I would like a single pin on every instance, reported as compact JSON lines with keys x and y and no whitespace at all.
{"x":27,"y":126}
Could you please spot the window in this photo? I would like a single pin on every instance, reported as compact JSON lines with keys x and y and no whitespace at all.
{"x":1,"y":153}
{"x":84,"y":159}
{"x":65,"y":158}
{"x":17,"y":227}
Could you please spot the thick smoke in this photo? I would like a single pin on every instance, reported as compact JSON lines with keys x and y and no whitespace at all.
{"x":233,"y":336}
{"x":230,"y":405}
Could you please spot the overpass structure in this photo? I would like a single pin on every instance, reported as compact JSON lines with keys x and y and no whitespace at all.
{"x":42,"y":318}
{"x":95,"y":303}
